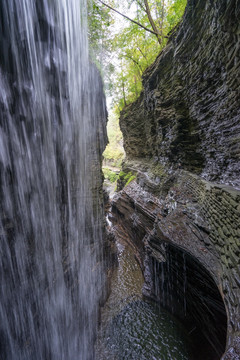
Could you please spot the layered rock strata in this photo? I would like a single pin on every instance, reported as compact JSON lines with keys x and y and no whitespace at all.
{"x":199,"y":218}
{"x":188,"y":114}
{"x":182,"y":140}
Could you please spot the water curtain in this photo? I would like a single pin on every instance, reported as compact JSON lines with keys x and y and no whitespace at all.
{"x":51,"y":137}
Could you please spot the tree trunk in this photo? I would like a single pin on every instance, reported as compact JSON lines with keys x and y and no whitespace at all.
{"x":156,"y":32}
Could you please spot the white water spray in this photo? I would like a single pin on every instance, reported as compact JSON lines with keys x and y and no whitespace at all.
{"x":51,"y":136}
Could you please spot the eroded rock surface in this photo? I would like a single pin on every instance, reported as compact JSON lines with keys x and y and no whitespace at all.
{"x":188,"y":114}
{"x":182,"y":140}
{"x":196,"y":216}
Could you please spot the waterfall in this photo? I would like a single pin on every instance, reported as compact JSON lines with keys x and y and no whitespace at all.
{"x":52,"y":114}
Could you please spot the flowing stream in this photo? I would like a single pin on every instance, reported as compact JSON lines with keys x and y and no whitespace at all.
{"x":50,"y":142}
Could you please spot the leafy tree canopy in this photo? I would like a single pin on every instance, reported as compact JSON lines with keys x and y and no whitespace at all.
{"x":124,"y":49}
{"x":134,"y":47}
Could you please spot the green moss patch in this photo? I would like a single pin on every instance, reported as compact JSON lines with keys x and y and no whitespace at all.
{"x":110,"y":175}
{"x":124,"y":179}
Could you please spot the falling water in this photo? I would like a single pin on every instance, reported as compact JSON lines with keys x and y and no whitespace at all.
{"x":50,"y":218}
{"x":184,"y":284}
{"x":188,"y":291}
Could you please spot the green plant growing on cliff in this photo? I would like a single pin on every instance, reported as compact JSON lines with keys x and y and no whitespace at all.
{"x":175,"y":13}
{"x":136,"y":46}
{"x":138,"y":43}
{"x":110,"y":175}
{"x":131,"y":178}
{"x":124,"y":179}
{"x":137,"y":53}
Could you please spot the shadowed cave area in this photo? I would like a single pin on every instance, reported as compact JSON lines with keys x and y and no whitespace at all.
{"x":183,"y":286}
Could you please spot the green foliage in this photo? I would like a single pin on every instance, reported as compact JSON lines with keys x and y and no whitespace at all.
{"x":175,"y":12}
{"x":138,"y":51}
{"x":122,"y":175}
{"x":133,"y":177}
{"x":114,"y":152}
{"x":110,"y":175}
{"x":123,"y":178}
{"x":126,"y":178}
{"x":134,"y":50}
{"x":100,"y":20}
{"x":137,"y":48}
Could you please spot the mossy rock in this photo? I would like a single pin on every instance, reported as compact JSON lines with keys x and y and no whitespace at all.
{"x":158,"y":170}
{"x":124,"y":179}
{"x":110,"y":175}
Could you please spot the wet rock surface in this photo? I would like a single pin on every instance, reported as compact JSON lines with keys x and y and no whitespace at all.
{"x":198,"y":218}
{"x":182,"y":140}
{"x":188,"y":114}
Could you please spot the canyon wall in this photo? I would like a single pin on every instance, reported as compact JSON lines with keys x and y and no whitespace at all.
{"x":188,"y":114}
{"x":182,"y":140}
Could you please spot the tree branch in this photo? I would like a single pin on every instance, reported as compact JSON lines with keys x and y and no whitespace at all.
{"x":156,"y":32}
{"x":135,"y":22}
{"x":135,"y":62}
{"x":141,"y":6}
{"x":142,"y":54}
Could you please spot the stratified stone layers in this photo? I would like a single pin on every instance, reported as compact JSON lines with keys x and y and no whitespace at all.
{"x":189,"y":112}
{"x":197,"y":216}
{"x":182,"y":138}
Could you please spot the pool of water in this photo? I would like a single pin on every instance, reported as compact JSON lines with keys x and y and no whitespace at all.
{"x":132,"y":328}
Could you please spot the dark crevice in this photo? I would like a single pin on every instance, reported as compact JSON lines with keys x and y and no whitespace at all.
{"x":187,"y":290}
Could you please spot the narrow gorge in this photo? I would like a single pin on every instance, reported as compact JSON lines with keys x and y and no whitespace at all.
{"x":182,"y":212}
{"x":175,"y":217}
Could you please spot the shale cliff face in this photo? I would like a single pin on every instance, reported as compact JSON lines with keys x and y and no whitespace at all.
{"x":182,"y":140}
{"x":189,"y":111}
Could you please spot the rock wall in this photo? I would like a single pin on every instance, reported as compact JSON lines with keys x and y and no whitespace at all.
{"x":182,"y":140}
{"x":196,"y":216}
{"x":188,"y":114}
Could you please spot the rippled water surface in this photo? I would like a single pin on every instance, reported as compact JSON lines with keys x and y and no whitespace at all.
{"x":133,"y":328}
